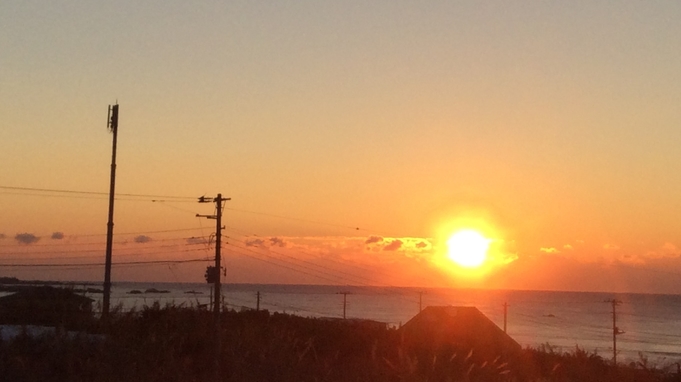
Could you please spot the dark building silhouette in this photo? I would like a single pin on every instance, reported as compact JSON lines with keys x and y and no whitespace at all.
{"x":457,"y":327}
{"x":45,"y":305}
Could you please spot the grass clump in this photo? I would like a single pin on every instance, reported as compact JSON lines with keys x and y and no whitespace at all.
{"x":170,"y":343}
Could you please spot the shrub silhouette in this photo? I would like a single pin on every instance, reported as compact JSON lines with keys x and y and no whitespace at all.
{"x":169,"y":343}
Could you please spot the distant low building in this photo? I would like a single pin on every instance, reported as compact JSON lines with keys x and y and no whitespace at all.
{"x":357,"y":322}
{"x":46,"y":306}
{"x":459,"y":327}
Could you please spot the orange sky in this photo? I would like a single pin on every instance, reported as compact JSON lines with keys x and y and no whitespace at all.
{"x":551,"y":127}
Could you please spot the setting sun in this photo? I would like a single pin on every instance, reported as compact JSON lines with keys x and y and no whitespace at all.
{"x":468,"y":248}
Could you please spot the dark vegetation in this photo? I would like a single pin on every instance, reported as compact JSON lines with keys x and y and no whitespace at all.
{"x":177,"y":344}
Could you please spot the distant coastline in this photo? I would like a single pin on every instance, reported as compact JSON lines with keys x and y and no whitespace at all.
{"x":12,"y":284}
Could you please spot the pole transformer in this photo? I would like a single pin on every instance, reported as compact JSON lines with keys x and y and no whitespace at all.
{"x":112,"y":125}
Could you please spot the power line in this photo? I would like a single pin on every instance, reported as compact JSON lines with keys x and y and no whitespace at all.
{"x":325,"y":273}
{"x":125,"y":245}
{"x":281,"y":265}
{"x":87,"y":257}
{"x":294,"y":218}
{"x":374,"y":271}
{"x":56,"y":195}
{"x":118,"y":234}
{"x":93,"y":197}
{"x":325,"y":269}
{"x":43,"y":265}
{"x":365,"y":281}
{"x":166,"y":203}
{"x":140,"y":252}
{"x":144,"y":232}
{"x":80,"y":257}
{"x":95,"y":193}
{"x":158,"y":199}
{"x":296,"y":268}
{"x":120,"y":242}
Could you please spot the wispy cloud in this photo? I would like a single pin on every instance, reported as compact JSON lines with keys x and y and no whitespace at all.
{"x":412,"y":245}
{"x":373,"y":239}
{"x":57,"y":236}
{"x":667,"y":250}
{"x":630,"y":259}
{"x":254,"y":242}
{"x":670,"y":248}
{"x":26,"y":238}
{"x":277,"y":242}
{"x":274,"y":241}
{"x":2,"y":236}
{"x":196,"y":240}
{"x":142,"y":239}
{"x":549,"y":250}
{"x":393,"y":246}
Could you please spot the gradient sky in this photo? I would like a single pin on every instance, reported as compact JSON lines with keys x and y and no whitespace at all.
{"x":341,"y":128}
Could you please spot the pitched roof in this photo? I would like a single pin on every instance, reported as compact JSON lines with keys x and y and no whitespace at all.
{"x":461,"y":326}
{"x":45,"y":293}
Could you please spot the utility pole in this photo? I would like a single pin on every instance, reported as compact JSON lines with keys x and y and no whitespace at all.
{"x":112,"y":125}
{"x":257,"y":304}
{"x":505,"y":315}
{"x":214,"y":276}
{"x":615,"y":330}
{"x":420,"y":301}
{"x":345,"y":301}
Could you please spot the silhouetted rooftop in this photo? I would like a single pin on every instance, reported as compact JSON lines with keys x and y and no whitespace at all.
{"x":460,"y":326}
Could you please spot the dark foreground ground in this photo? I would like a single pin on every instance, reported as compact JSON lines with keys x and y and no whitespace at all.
{"x":178,"y":344}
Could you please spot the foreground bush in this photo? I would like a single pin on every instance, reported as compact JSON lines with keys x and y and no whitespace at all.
{"x":177,"y":344}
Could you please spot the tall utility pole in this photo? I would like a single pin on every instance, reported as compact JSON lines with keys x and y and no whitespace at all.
{"x":112,"y":125}
{"x":615,"y":330}
{"x":420,"y":301}
{"x":505,"y":315}
{"x":215,"y":277}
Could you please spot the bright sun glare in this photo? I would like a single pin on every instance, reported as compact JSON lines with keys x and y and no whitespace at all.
{"x":468,"y":248}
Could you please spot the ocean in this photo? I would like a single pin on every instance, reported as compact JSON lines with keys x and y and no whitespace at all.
{"x":562,"y":320}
